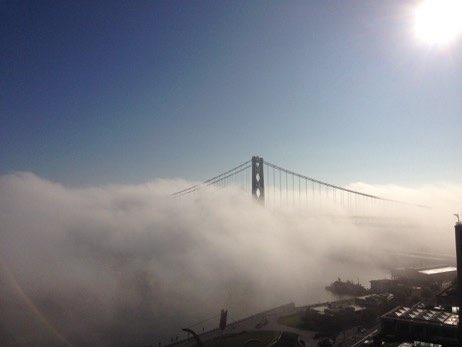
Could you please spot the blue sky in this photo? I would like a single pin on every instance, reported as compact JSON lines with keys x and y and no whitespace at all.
{"x":123,"y":92}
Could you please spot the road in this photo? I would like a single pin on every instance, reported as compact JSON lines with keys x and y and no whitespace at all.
{"x":267,"y":320}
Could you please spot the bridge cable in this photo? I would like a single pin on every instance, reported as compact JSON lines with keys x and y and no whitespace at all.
{"x":321,"y":183}
{"x":209,"y":180}
{"x":222,"y":181}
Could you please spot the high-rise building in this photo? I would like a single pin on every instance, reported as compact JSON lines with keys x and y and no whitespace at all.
{"x":458,"y":235}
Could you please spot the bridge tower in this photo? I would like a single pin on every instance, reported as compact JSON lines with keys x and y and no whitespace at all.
{"x":258,"y":182}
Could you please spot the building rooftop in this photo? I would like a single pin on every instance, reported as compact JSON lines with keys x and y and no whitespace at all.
{"x":418,"y":313}
{"x":438,"y":270}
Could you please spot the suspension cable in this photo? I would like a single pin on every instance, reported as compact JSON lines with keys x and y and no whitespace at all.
{"x":210,"y":182}
{"x":200,"y":185}
{"x":338,"y":187}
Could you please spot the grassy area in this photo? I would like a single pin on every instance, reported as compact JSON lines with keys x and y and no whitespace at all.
{"x":293,"y":320}
{"x":238,"y":340}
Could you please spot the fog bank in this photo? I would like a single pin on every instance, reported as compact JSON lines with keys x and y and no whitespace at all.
{"x":128,"y":265}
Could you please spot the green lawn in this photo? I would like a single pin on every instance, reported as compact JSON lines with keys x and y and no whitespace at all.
{"x":238,"y":340}
{"x":293,"y":320}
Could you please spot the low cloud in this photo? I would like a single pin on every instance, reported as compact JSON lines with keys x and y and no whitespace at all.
{"x":129,"y":265}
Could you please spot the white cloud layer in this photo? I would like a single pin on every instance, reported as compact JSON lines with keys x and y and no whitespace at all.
{"x":128,"y":265}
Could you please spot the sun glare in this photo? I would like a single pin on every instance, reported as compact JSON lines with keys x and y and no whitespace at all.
{"x":438,"y":22}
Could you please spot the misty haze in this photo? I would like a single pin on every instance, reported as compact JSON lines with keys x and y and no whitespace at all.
{"x":126,"y":216}
{"x":121,"y":265}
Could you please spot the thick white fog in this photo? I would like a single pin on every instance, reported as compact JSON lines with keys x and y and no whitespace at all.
{"x":129,"y":265}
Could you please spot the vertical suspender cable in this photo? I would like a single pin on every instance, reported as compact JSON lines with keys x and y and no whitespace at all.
{"x":274,"y":187}
{"x":293,"y":189}
{"x":280,"y":187}
{"x":299,"y":190}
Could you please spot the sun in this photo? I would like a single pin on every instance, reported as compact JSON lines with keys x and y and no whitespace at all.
{"x":438,"y":22}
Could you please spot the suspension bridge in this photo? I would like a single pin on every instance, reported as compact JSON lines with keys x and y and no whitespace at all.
{"x":271,"y":183}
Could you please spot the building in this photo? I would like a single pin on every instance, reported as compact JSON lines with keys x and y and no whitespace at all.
{"x":374,"y":300}
{"x":382,"y":286}
{"x":458,"y":236}
{"x":448,"y":297}
{"x":439,"y":274}
{"x":429,"y":325}
{"x":420,"y":323}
